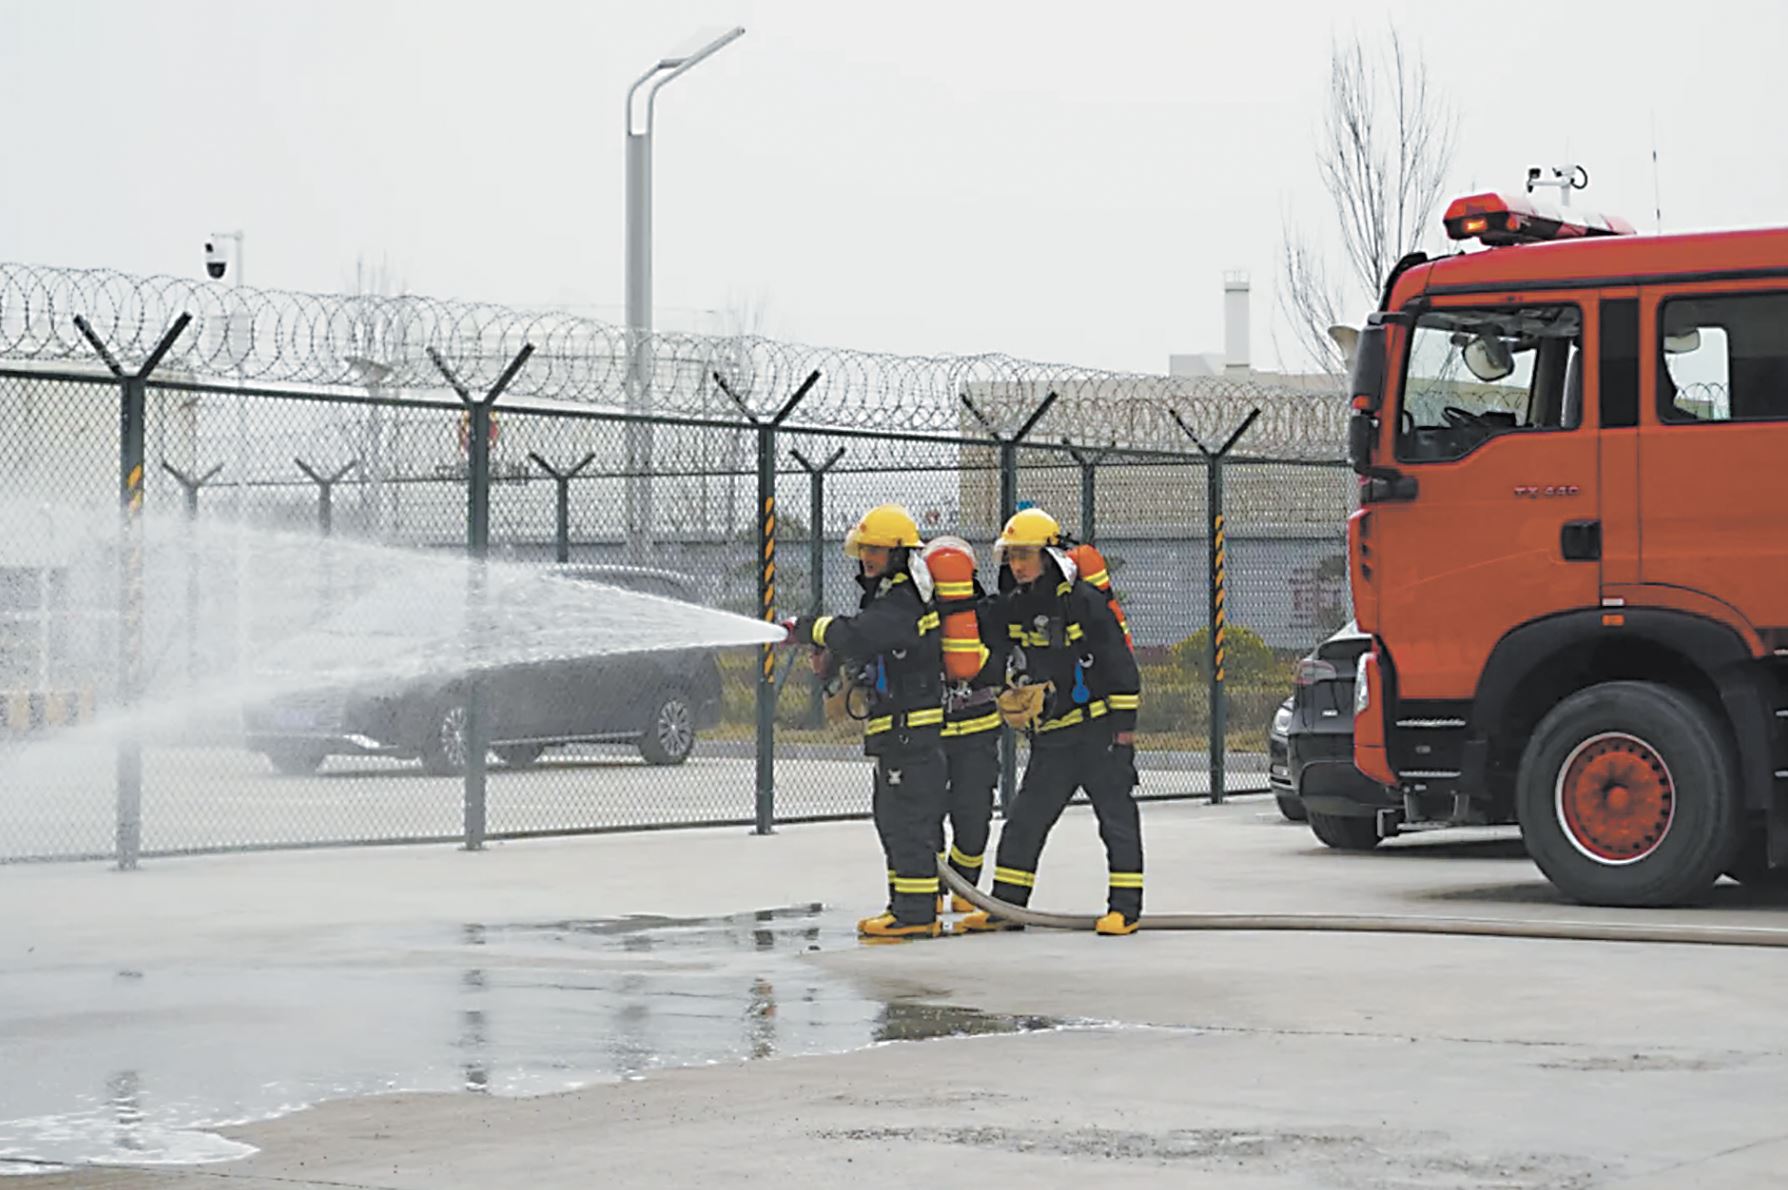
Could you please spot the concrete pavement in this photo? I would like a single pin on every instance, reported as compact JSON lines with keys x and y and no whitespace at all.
{"x":1223,"y":1060}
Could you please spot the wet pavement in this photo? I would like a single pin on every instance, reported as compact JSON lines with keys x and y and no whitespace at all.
{"x":137,"y":1064}
{"x":138,"y":1010}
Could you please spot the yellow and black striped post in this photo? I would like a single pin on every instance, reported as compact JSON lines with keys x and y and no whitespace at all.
{"x":1219,"y":619}
{"x":130,"y":632}
{"x":766,"y":674}
{"x":765,"y":815}
{"x":766,"y":588}
{"x":133,"y":414}
{"x":1219,"y":611}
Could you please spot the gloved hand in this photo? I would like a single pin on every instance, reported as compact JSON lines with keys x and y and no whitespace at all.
{"x":800,"y":629}
{"x":1022,"y":706}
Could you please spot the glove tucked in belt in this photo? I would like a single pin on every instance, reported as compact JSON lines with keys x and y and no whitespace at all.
{"x":1022,"y":706}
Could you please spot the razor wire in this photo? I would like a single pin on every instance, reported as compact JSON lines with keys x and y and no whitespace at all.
{"x":276,"y":337}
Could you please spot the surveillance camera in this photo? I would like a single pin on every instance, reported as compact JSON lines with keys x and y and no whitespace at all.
{"x":1533,"y":176}
{"x":216,"y":263}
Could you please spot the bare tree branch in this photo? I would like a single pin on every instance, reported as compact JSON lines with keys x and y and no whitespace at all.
{"x":1386,"y":147}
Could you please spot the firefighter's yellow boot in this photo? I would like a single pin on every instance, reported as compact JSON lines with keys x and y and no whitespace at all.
{"x":958,"y":905}
{"x":1116,"y":925}
{"x":984,"y":923}
{"x":888,"y":926}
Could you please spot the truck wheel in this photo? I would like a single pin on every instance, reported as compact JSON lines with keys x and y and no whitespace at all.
{"x":670,"y":734}
{"x":1345,"y":834}
{"x":1290,"y":807}
{"x":1627,"y":796}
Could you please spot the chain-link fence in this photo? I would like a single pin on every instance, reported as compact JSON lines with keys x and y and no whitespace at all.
{"x":350,"y":601}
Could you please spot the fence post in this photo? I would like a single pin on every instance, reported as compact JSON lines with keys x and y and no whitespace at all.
{"x":477,"y":547}
{"x":1008,"y":445}
{"x":1089,"y":490}
{"x":191,"y":485}
{"x":133,"y":415}
{"x":816,"y":559}
{"x":1218,"y":615}
{"x":562,"y":505}
{"x":325,"y":492}
{"x":765,"y":809}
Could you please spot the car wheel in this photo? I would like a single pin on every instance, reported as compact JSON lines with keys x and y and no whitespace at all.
{"x":444,"y":740}
{"x":1290,"y":807}
{"x":297,"y":762}
{"x":1345,"y":834}
{"x":670,"y":733}
{"x":1626,"y":796}
{"x":519,"y":756}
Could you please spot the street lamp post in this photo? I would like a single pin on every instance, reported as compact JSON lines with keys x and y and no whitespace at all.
{"x":639,"y":286}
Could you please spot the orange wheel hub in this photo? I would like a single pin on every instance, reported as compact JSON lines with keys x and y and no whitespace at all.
{"x":1615,"y":798}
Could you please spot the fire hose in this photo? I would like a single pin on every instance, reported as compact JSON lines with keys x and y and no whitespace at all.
{"x":1482,"y":927}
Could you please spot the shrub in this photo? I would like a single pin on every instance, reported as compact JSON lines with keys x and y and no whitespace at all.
{"x":1250,"y":661}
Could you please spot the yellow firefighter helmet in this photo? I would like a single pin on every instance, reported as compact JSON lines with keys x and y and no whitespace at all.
{"x":886,"y":525}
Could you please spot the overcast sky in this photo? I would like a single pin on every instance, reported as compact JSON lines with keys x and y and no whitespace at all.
{"x":1065,"y":181}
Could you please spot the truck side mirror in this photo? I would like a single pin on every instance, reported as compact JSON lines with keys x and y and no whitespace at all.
{"x":1365,"y":373}
{"x":1362,"y":433}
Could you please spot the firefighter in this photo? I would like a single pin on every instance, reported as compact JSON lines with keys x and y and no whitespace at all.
{"x":973,"y":675}
{"x":891,"y":654}
{"x":1074,"y":689}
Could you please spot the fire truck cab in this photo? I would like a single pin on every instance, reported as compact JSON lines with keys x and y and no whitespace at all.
{"x":1571,"y":549}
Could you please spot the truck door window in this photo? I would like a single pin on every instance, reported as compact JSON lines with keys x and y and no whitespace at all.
{"x":1476,"y":374}
{"x":1724,"y":358}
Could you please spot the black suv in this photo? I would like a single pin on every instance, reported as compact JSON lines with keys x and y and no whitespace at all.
{"x":1342,"y":803}
{"x":656,"y":700}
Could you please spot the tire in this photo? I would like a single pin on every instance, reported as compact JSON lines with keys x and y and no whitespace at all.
{"x":1627,"y":796}
{"x":670,"y":733}
{"x":1345,"y":834}
{"x":297,"y":762}
{"x":519,"y":756}
{"x":1290,"y":807}
{"x":443,"y":747}
{"x":1750,"y":862}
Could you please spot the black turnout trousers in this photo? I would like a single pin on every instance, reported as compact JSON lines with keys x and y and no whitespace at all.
{"x":1086,"y":759}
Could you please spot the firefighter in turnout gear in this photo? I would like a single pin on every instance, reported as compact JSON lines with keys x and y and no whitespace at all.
{"x":891,"y":653}
{"x":1075,"y":691}
{"x":973,"y":674}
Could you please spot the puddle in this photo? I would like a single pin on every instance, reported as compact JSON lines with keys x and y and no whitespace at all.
{"x":139,"y":1066}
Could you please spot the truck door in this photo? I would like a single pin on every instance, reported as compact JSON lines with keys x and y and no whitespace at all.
{"x":1713,"y":451}
{"x":1503,"y":524}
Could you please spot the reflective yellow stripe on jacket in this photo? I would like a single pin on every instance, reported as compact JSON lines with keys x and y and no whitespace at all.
{"x":1096,"y":709}
{"x":925,"y":717}
{"x":975,"y":726}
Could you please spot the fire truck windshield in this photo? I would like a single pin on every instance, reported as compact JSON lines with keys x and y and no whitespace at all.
{"x":1473,"y":374}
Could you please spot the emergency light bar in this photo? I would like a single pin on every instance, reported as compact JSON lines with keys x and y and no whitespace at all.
{"x":1498,"y":220}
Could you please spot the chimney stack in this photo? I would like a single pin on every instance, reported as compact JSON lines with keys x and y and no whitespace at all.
{"x":1235,"y":323}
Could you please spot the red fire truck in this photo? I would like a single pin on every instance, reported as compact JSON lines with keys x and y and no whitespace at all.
{"x":1571,"y":549}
